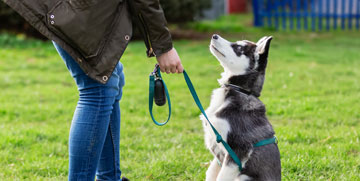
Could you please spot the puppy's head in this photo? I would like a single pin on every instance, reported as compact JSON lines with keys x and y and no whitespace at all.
{"x":244,"y":62}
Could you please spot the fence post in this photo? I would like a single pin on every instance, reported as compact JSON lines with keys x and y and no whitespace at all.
{"x":320,"y":15}
{"x":317,"y":15}
{"x":257,"y":18}
{"x":298,"y":11}
{"x":276,"y":14}
{"x":343,"y":14}
{"x":358,"y":15}
{"x":306,"y":14}
{"x":291,"y":14}
{"x":268,"y":13}
{"x":350,"y":16}
{"x":313,"y":16}
{"x":283,"y":14}
{"x":327,"y":15}
{"x":335,"y":14}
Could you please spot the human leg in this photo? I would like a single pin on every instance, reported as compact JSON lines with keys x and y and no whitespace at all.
{"x":97,"y":106}
{"x":109,"y":165}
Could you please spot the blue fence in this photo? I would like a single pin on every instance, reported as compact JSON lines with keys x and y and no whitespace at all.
{"x":316,"y":15}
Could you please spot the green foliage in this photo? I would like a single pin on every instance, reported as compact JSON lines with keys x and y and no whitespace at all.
{"x":311,"y":94}
{"x":12,"y":21}
{"x":184,"y":10}
{"x":9,"y":17}
{"x":225,"y":24}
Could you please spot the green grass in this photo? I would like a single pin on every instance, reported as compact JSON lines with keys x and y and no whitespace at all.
{"x":228,"y":24}
{"x":312,"y":94}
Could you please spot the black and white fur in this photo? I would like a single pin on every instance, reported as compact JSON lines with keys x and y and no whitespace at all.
{"x":240,"y":118}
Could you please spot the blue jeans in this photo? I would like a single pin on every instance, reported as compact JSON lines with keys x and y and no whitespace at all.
{"x":95,"y":129}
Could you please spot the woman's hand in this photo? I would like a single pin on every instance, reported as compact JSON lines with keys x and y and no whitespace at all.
{"x":170,"y":62}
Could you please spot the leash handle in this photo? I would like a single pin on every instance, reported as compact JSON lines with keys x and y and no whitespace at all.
{"x":156,"y":73}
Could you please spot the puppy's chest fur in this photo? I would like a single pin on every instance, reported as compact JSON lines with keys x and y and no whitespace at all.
{"x":221,"y":125}
{"x":229,"y":114}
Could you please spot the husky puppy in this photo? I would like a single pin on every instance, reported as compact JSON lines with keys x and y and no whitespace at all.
{"x":238,"y":114}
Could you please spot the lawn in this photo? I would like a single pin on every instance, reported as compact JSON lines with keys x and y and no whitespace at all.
{"x":312,"y":94}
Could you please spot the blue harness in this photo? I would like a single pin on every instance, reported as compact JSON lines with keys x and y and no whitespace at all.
{"x":156,"y":75}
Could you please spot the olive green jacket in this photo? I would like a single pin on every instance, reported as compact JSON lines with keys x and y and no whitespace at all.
{"x":96,"y":32}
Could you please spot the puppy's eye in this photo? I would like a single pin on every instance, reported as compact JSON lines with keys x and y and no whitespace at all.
{"x":236,"y":47}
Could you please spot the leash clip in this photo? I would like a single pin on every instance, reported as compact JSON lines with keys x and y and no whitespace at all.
{"x":155,"y":73}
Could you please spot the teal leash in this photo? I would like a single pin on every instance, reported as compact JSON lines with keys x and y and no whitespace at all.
{"x":218,"y":136}
{"x":153,"y":76}
{"x":219,"y":139}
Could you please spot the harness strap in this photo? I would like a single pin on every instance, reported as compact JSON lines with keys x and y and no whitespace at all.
{"x":239,"y":89}
{"x":219,"y":139}
{"x":266,"y":142}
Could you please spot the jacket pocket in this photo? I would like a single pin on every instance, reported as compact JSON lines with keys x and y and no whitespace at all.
{"x":84,"y":24}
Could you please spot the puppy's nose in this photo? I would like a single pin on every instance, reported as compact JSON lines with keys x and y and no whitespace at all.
{"x":215,"y":37}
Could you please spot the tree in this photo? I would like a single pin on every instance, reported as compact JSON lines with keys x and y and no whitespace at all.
{"x":180,"y":11}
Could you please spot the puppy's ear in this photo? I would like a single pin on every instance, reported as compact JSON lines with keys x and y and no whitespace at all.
{"x":262,"y":48}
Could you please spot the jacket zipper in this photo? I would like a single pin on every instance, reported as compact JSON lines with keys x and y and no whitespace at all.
{"x":147,"y":36}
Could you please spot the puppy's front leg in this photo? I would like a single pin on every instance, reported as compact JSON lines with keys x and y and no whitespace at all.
{"x":229,"y":171}
{"x":213,"y":170}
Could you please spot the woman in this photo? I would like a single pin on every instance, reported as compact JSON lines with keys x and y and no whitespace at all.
{"x":91,"y":36}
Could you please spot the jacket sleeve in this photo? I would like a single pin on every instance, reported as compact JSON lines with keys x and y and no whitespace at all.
{"x":151,"y":21}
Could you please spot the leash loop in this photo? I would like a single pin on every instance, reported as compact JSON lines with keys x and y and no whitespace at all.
{"x":156,"y":75}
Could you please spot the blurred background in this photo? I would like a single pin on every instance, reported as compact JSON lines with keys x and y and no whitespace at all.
{"x":311,"y":92}
{"x":314,"y":15}
{"x":176,"y":12}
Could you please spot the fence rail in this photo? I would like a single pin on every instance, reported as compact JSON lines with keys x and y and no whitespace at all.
{"x":305,"y":14}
